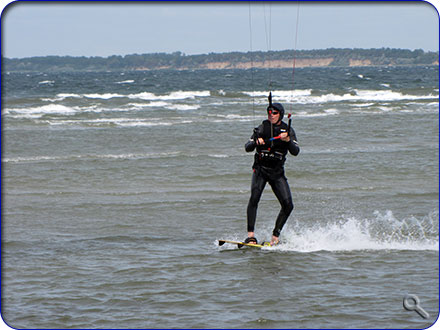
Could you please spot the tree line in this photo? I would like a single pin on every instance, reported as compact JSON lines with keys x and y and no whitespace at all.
{"x":179,"y":60}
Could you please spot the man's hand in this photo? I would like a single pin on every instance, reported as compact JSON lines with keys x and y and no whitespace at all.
{"x":285,"y":137}
{"x":260,"y":141}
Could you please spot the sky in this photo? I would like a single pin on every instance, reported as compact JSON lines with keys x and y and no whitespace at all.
{"x":104,"y":29}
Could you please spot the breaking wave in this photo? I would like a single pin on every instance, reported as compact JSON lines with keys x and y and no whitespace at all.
{"x":177,"y":95}
{"x":313,"y":104}
{"x":355,"y":95}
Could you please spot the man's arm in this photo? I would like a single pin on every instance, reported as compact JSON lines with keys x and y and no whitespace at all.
{"x":293,"y":143}
{"x":254,"y":140}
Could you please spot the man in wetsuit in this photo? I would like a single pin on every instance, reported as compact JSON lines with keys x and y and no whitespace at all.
{"x":269,"y":167}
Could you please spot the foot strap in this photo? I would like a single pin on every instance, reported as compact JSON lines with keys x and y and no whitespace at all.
{"x":251,"y":240}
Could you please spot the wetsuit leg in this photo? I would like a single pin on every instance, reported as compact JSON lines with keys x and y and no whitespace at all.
{"x":282,"y":191}
{"x":257,"y":187}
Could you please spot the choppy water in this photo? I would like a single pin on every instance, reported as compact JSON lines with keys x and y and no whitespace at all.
{"x":116,"y":187}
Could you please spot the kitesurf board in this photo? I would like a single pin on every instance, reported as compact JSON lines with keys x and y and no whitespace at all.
{"x":241,"y":244}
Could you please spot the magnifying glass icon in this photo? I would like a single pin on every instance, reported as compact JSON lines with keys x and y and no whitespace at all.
{"x":412,"y":303}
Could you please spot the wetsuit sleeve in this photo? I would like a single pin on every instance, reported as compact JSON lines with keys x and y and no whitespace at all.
{"x":293,"y":143}
{"x":251,"y":144}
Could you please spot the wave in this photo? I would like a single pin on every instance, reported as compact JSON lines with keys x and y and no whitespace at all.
{"x":140,"y":106}
{"x":92,"y":156}
{"x":36,"y":112}
{"x":46,"y":82}
{"x":162,"y":104}
{"x":59,"y":109}
{"x":306,"y":96}
{"x":177,"y":95}
{"x":183,"y":107}
{"x":125,"y":82}
{"x":329,"y":104}
{"x":355,"y":95}
{"x":382,"y":232}
{"x":121,"y":122}
{"x":105,"y":96}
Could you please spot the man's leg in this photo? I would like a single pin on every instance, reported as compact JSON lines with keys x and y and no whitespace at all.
{"x":282,"y":191}
{"x":257,"y":187}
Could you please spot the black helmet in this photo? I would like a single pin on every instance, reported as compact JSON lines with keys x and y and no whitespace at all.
{"x":277,"y":106}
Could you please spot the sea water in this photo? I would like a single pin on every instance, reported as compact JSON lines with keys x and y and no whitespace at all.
{"x":116,"y":187}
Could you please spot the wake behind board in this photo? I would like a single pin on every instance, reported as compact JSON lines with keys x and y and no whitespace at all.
{"x":241,"y":244}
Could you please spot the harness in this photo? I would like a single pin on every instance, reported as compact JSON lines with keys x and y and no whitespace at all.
{"x":271,"y":155}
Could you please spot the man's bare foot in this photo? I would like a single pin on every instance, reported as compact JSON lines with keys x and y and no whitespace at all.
{"x":274,"y":241}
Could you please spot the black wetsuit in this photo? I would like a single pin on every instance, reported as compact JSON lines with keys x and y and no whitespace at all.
{"x":269,"y":167}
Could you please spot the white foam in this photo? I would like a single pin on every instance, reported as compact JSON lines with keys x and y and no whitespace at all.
{"x":311,"y":115}
{"x":36,"y":112}
{"x":149,"y":105}
{"x":364,"y":96}
{"x":238,"y":117}
{"x":178,"y":95}
{"x":143,"y":96}
{"x":383,"y":232}
{"x":135,"y":155}
{"x":50,"y":82}
{"x":123,"y":122}
{"x":125,"y":82}
{"x":306,"y":97}
{"x":374,"y":95}
{"x":219,"y":156}
{"x":62,"y":96}
{"x":281,"y":94}
{"x":362,"y":105}
{"x":188,"y":94}
{"x":183,"y":107}
{"x":141,"y":123}
{"x":32,"y":159}
{"x":331,"y":111}
{"x":91,"y":156}
{"x":105,"y":96}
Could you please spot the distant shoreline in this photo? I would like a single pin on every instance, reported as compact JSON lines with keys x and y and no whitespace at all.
{"x":234,"y":60}
{"x":286,"y":64}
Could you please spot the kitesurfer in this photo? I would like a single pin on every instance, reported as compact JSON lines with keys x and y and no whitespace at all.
{"x":272,"y":140}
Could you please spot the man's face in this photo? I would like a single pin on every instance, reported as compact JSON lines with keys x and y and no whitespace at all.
{"x":273,"y":116}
